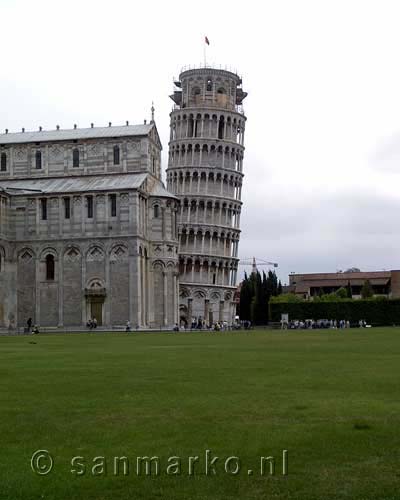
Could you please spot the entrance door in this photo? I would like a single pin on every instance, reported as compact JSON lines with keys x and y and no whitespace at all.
{"x":96,"y":310}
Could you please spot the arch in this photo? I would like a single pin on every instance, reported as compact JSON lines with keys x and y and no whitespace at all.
{"x":95,"y":253}
{"x":119,"y":252}
{"x":199,"y":293}
{"x":26,"y":254}
{"x":158,"y":265}
{"x":48,"y":251}
{"x":72,"y":254}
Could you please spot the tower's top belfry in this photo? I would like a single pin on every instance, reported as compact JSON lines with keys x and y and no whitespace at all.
{"x":210,"y":88}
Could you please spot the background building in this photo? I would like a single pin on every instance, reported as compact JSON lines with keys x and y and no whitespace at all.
{"x":87,"y":229}
{"x":205,"y":170}
{"x":384,"y":283}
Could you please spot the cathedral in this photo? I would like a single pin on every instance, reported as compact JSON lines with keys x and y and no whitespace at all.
{"x":88,"y":229}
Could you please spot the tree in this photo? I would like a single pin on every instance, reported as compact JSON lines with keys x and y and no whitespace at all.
{"x":349,"y":291}
{"x":341,"y":293}
{"x":366,"y":290}
{"x":259,"y":301}
{"x":246,"y":296}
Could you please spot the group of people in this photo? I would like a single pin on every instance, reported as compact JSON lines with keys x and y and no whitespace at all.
{"x":320,"y":323}
{"x":200,"y":324}
{"x":91,"y":323}
{"x":31,"y":328}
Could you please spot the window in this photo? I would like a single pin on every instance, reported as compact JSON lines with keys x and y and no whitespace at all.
{"x":38,"y":158}
{"x":113,"y":205}
{"x":43,"y":207}
{"x":156,"y":211}
{"x":67,"y":208}
{"x":50,"y":268}
{"x":3,"y":166}
{"x":209,"y":85}
{"x":75,"y":158}
{"x":116,"y":155}
{"x":89,"y":201}
{"x":154,"y":165}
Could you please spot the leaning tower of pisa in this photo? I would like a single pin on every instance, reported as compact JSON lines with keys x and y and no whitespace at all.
{"x":205,"y":171}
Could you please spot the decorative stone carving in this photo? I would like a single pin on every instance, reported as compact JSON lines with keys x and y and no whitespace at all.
{"x":124,"y":199}
{"x":26,"y":256}
{"x":20,"y":154}
{"x":96,"y":254}
{"x":95,"y":150}
{"x":72,"y":255}
{"x":56,"y":153}
{"x":118,"y":254}
{"x":133,"y":146}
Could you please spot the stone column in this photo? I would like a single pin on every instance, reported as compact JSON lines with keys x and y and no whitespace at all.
{"x":176,"y":298}
{"x":108,"y":298}
{"x":37,"y":291}
{"x":206,"y":311}
{"x":221,"y":310}
{"x":165,"y":278}
{"x":60,"y":289}
{"x":138,"y":291}
{"x":83,"y":285}
{"x":131,"y":290}
{"x":190,"y":311}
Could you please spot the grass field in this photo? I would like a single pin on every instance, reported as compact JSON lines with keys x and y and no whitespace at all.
{"x":331,"y":398}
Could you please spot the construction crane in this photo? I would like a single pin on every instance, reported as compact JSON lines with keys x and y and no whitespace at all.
{"x":254,"y":262}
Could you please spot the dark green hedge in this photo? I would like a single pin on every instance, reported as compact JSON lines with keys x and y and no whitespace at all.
{"x":375,"y":312}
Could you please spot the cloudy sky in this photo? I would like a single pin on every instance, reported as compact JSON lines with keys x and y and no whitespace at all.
{"x":322,"y":157}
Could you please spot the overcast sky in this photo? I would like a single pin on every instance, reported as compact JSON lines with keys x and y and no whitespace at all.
{"x":322,"y":160}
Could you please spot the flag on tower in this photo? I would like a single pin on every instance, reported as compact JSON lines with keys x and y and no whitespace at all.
{"x":207,"y":41}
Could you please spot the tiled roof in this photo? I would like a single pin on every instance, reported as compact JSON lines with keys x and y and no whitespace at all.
{"x":73,"y":184}
{"x":73,"y":134}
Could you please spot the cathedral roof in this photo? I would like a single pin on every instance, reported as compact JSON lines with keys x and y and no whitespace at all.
{"x":160,"y":191}
{"x":76,"y":133}
{"x":85,"y":183}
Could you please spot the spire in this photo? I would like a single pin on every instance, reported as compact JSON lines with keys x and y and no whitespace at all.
{"x":254,"y":269}
{"x":152,"y":112}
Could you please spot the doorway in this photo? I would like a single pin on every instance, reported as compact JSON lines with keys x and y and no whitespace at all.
{"x":96,"y":310}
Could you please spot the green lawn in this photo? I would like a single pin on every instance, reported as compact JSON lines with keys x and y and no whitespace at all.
{"x":331,"y":398}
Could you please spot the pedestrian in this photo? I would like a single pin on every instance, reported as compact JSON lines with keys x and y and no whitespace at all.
{"x":128,"y":326}
{"x":94,"y":323}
